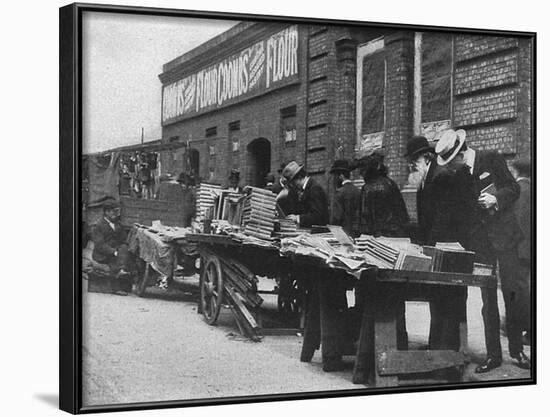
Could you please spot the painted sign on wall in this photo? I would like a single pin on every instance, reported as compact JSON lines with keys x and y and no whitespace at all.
{"x":266,"y":65}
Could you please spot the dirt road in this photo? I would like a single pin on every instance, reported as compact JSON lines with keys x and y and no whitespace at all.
{"x":158,"y":348}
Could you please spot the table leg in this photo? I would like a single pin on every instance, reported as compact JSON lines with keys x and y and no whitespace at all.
{"x":363,"y":369}
{"x":387,"y":306}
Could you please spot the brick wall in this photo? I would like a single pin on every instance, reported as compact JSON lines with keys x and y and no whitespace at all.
{"x":399,"y":102}
{"x":491,"y":100}
{"x":492,"y":92}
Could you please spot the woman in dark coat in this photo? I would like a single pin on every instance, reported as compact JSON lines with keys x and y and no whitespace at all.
{"x":382,"y":213}
{"x":382,"y":210}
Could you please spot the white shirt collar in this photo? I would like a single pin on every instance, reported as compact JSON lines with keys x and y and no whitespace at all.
{"x":470,"y":158}
{"x":427,"y":170}
{"x":305,"y":183}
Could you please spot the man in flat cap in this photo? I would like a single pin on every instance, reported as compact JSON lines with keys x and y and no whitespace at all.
{"x":110,"y":246}
{"x":347,"y":198}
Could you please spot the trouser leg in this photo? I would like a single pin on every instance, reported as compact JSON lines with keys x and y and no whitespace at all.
{"x":491,"y":323}
{"x":312,"y":330}
{"x":511,"y":290}
{"x":333,"y":304}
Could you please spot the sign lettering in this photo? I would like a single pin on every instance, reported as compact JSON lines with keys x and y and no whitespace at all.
{"x":266,"y":65}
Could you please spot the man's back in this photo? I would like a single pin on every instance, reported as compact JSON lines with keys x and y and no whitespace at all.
{"x":347,"y":200}
{"x":313,"y":205}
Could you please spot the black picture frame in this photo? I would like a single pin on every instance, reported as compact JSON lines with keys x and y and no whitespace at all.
{"x":70,"y":154}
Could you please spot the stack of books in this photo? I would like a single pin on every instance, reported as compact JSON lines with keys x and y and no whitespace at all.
{"x":377,"y":253}
{"x":258,"y":212}
{"x":285,"y":228}
{"x":411,"y":261}
{"x":206,"y":198}
{"x":450,"y":257}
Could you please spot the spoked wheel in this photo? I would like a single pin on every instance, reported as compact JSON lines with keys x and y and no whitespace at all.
{"x":290,"y":297}
{"x":211,"y":290}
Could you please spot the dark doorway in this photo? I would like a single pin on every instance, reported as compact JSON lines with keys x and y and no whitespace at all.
{"x":193,"y":162}
{"x":259,"y":161}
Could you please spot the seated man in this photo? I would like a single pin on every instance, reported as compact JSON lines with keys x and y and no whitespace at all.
{"x":110,"y":246}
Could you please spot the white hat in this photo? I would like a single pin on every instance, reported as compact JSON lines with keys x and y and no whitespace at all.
{"x":449,"y":145}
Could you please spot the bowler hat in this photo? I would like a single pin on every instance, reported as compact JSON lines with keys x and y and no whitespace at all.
{"x":290,"y":171}
{"x":110,"y":203}
{"x":417,"y":145}
{"x":340,"y":165}
{"x":449,"y":145}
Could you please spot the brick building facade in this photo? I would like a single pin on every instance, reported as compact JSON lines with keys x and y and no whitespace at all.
{"x":264,"y":93}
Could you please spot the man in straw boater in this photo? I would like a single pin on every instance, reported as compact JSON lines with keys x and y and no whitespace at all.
{"x":110,"y":246}
{"x":494,"y":234}
{"x":347,"y":198}
{"x":328,"y":295}
{"x":437,"y":208}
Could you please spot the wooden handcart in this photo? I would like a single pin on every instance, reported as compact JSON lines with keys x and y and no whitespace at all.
{"x":228,"y":277}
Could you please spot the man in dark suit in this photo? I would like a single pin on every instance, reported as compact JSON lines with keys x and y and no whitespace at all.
{"x":312,"y":199}
{"x":433,"y":196}
{"x":494,"y":232}
{"x":110,"y":246}
{"x":347,"y":199}
{"x":327,"y":293}
{"x":520,"y":297}
{"x":436,"y":210}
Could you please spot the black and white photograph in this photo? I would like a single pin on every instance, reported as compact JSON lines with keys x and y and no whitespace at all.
{"x":275,"y":208}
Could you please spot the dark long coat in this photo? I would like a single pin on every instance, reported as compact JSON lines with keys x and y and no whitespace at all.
{"x":494,"y":231}
{"x":346,"y":207}
{"x":382,"y":211}
{"x":107,"y":241}
{"x":522,"y":210}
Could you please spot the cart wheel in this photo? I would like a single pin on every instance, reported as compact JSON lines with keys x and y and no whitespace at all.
{"x":211,"y":290}
{"x":142,"y":283}
{"x":290,"y":297}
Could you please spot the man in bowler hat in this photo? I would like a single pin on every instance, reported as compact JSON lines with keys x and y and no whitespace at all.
{"x":110,"y":246}
{"x":436,"y":208}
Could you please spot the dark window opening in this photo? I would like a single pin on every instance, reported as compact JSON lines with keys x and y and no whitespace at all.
{"x":211,"y":131}
{"x":374,"y":85}
{"x":288,"y":125}
{"x":235,"y":126}
{"x":437,"y":51}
